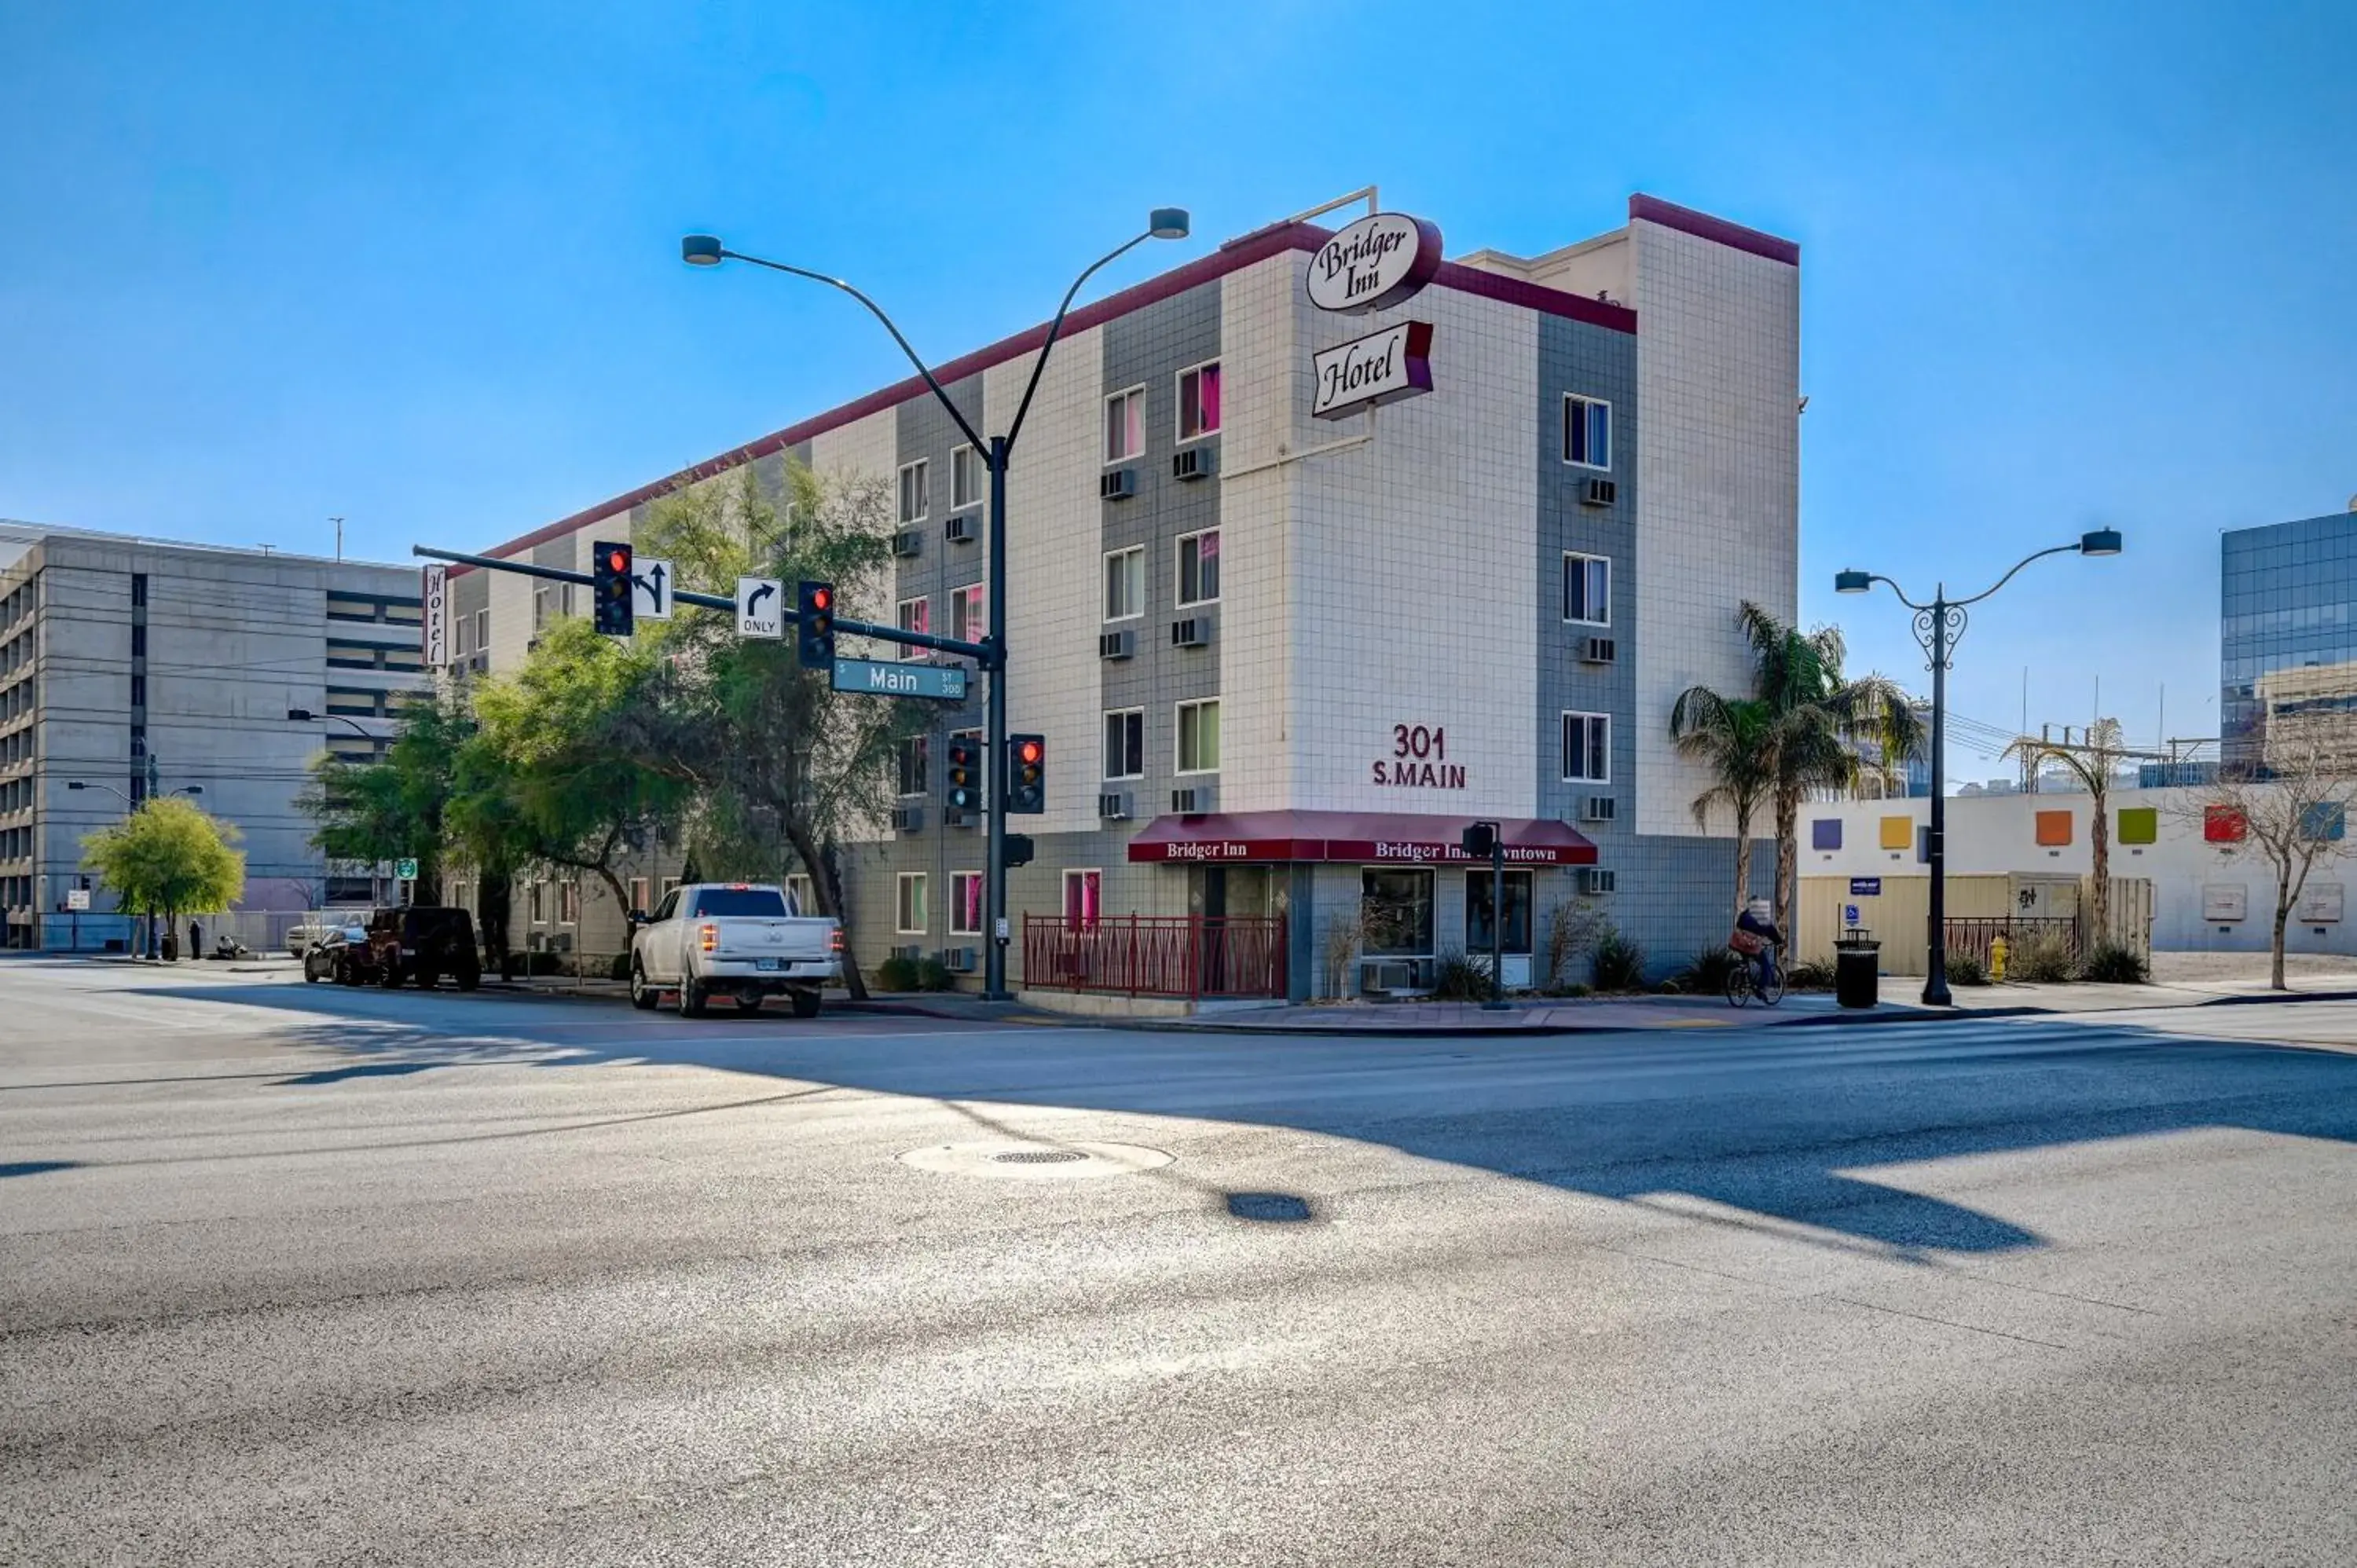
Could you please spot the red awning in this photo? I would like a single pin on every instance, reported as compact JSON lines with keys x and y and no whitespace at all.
{"x":1232,"y":837}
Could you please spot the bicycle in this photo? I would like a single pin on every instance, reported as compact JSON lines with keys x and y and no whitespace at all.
{"x":1743,"y":982}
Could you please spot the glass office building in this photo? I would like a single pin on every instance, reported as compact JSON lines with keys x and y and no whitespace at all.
{"x":2285,"y":594}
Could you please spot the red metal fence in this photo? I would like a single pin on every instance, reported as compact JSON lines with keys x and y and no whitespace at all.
{"x":1156,"y":955}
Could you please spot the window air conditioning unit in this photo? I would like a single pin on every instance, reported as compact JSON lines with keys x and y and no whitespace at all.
{"x":913,"y":953}
{"x":1117,"y":485}
{"x":953,"y":818}
{"x":958,"y":960}
{"x":909,"y":542}
{"x":1118,"y":644}
{"x":1198,"y":798}
{"x":1114,"y":806}
{"x":962,"y":529}
{"x":1597,"y":650}
{"x":1195,"y":631}
{"x":907,"y":819}
{"x":1195,"y":463}
{"x":1598,"y":492}
{"x":1597,"y":809}
{"x":1595,"y":879}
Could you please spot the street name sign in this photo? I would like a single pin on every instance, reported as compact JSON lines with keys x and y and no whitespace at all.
{"x":761,"y":607}
{"x":650,"y":586}
{"x":884,"y":677}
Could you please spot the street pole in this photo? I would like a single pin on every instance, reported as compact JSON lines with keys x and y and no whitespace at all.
{"x":993,"y":772}
{"x":1935,"y":968}
{"x":1498,"y":919}
{"x":1937,"y":626}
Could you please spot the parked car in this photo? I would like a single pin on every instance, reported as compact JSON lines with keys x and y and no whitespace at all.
{"x":301,"y":939}
{"x":738,"y":939}
{"x":338,"y":953}
{"x":424,"y":942}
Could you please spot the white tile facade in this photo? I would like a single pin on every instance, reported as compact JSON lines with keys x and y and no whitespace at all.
{"x":1718,"y":482}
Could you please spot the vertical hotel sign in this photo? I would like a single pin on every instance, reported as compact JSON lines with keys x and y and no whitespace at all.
{"x":434,"y":624}
{"x":1385,"y":259}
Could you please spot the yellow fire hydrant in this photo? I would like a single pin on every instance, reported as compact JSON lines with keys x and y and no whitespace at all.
{"x":1997,"y":960}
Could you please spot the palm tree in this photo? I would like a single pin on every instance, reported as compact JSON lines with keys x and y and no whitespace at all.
{"x":1728,"y":735}
{"x":1811,"y":719}
{"x":2091,"y":761}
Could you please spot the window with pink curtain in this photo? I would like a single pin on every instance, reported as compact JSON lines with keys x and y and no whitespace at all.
{"x":1080,"y":897}
{"x":1199,"y":401}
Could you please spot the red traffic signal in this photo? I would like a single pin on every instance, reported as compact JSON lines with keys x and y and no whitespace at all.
{"x":1026,"y":786}
{"x":610,"y":606}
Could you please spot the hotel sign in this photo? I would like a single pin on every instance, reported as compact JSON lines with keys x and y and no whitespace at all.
{"x":1383,"y":367}
{"x":1380,"y":261}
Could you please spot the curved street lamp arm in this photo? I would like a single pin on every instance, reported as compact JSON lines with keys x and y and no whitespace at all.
{"x":2017,"y":566}
{"x":1897,"y":592}
{"x":979,"y":444}
{"x":1057,"y":326}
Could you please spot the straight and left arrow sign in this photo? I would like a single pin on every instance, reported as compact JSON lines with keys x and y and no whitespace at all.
{"x":650,"y":586}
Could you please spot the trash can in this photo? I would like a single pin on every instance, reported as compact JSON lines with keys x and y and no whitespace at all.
{"x":1857,"y":969}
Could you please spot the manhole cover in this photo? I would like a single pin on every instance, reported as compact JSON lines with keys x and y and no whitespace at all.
{"x":1009,"y":1161}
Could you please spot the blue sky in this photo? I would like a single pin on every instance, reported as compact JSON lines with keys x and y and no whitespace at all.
{"x":265,"y":262}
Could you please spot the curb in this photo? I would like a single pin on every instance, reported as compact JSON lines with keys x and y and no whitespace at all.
{"x":1540,"y":1031}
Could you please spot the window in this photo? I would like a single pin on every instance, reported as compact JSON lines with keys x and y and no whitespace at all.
{"x":1124,"y":584}
{"x":568,"y":902}
{"x":912,"y":491}
{"x":639,"y":894}
{"x":968,"y":617}
{"x":802,"y":897}
{"x":915,"y":614}
{"x":965,"y":902}
{"x":139,"y":642}
{"x":482,"y":631}
{"x":1586,"y":432}
{"x":670,"y":904}
{"x":1084,"y":894}
{"x":139,"y":589}
{"x":1397,"y":906}
{"x":538,"y":903}
{"x":1199,"y":737}
{"x":909,"y":908}
{"x":1199,"y":401}
{"x":1198,"y":567}
{"x":1124,"y":425}
{"x":759,"y":903}
{"x":913,"y":765}
{"x":1125,"y":744}
{"x":1587,"y":589}
{"x":139,"y":691}
{"x":1477,"y":912}
{"x":1587,"y":747}
{"x":967,"y":476}
{"x":539,"y":609}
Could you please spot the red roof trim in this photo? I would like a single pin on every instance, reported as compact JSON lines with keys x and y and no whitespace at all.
{"x":1233,"y":256}
{"x":1702,"y":225}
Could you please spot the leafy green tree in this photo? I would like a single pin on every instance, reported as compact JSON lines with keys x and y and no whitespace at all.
{"x":1728,"y":735}
{"x":169,"y":858}
{"x":573,"y":762}
{"x":395,"y":809}
{"x":785,"y":769}
{"x":1802,"y":736}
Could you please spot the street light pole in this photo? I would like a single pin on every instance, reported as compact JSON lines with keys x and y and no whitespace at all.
{"x":1163,"y":224}
{"x":1937,"y":626}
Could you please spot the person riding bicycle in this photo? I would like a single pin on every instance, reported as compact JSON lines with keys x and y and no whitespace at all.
{"x":1757,"y":938}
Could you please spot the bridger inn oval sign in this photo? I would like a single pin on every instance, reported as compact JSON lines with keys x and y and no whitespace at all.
{"x":1378,"y":262}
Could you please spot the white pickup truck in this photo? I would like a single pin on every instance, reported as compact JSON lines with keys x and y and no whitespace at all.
{"x":744,"y":940}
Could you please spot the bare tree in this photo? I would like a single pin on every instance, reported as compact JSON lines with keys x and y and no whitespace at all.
{"x":2092,"y":763}
{"x":2294,"y":812}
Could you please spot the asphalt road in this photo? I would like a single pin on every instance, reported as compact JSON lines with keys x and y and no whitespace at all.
{"x":295,"y":1275}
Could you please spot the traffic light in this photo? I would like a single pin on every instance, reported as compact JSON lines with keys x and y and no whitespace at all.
{"x":966,"y":773}
{"x":1019,"y":851}
{"x":1480,"y":840}
{"x":814,"y":608}
{"x":610,"y":592}
{"x":1027,"y":773}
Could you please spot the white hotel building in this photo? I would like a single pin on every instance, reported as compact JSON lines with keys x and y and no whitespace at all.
{"x":1282,"y":659}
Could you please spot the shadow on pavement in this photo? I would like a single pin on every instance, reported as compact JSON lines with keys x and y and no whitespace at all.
{"x":36,"y":1167}
{"x":1781,"y":1124}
